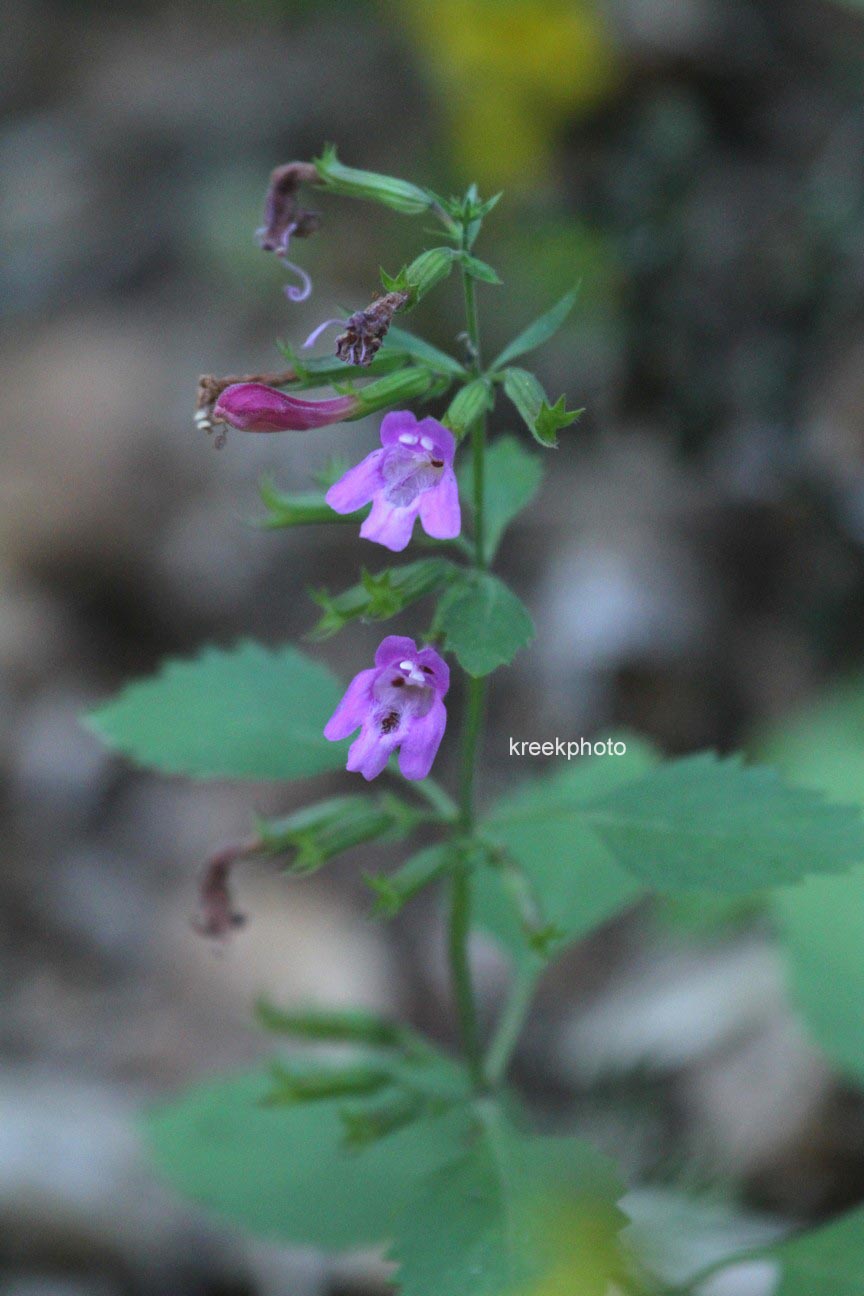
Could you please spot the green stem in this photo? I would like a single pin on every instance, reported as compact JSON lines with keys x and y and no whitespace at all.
{"x":460,"y":895}
{"x":460,"y":927}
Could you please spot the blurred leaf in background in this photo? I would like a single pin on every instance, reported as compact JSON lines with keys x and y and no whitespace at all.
{"x":511,"y":72}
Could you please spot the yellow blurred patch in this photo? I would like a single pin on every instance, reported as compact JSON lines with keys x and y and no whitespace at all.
{"x":510,"y":73}
{"x":577,"y":1241}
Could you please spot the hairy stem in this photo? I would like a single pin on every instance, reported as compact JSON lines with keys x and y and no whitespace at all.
{"x":460,"y":896}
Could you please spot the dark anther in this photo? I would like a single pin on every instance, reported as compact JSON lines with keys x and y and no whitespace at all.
{"x":437,"y":463}
{"x":398,"y":682}
{"x":428,"y":670}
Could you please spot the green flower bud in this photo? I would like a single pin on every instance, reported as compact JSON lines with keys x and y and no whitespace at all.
{"x":390,"y":192}
{"x":427,"y":270}
{"x":467,"y":406}
{"x":396,"y":389}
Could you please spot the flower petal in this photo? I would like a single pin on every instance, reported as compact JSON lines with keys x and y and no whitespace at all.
{"x":390,"y":526}
{"x":395,"y":648}
{"x":439,"y":508}
{"x":442,"y":438}
{"x":255,"y":407}
{"x":394,"y":424}
{"x":440,"y":670}
{"x":421,"y":742}
{"x":354,"y":707}
{"x":357,"y":486}
{"x":369,"y":754}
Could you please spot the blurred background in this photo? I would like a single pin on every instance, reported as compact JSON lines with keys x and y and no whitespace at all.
{"x":696,"y":567}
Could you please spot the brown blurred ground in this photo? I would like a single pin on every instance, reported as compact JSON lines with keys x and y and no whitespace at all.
{"x":696,"y":568}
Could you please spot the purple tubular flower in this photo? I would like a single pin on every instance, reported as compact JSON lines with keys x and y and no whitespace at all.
{"x":411,"y":475}
{"x":397,"y":703}
{"x":255,"y":407}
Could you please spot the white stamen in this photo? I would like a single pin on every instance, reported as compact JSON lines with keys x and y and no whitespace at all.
{"x":408,"y":438}
{"x":406,"y":665}
{"x":427,"y":443}
{"x":202,"y":417}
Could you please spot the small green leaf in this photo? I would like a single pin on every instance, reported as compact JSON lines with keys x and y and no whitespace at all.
{"x":544,"y":421}
{"x":467,"y":406}
{"x":512,"y":479}
{"x":423,"y":352}
{"x":539,"y":332}
{"x":284,"y":1172}
{"x":483,"y":622}
{"x":245,"y":712}
{"x":382,"y":595}
{"x":514,"y":1214}
{"x":703,"y":823}
{"x":299,"y":510}
{"x":479,"y":270}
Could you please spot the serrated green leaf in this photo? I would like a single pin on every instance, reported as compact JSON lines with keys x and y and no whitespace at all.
{"x":539,"y":332}
{"x":577,"y":883}
{"x":821,"y":921}
{"x":478,"y":269}
{"x":544,"y":421}
{"x":245,"y":712}
{"x":284,"y":1172}
{"x":514,"y":1214}
{"x":430,"y":356}
{"x":826,"y":1261}
{"x":703,"y":823}
{"x":821,"y":925}
{"x":483,"y":622}
{"x":382,"y":595}
{"x":512,"y":479}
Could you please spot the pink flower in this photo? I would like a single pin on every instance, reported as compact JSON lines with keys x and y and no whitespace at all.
{"x":255,"y":407}
{"x":397,"y":703}
{"x":411,"y":475}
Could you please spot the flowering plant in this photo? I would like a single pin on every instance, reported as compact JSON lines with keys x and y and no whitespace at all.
{"x":396,"y":1140}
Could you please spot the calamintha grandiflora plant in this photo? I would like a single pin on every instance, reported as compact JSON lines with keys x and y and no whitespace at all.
{"x":388,"y":1139}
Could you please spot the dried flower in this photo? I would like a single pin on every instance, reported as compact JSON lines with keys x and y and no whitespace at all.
{"x":411,"y":476}
{"x":283,"y":217}
{"x":216,"y":916}
{"x":398,"y":703}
